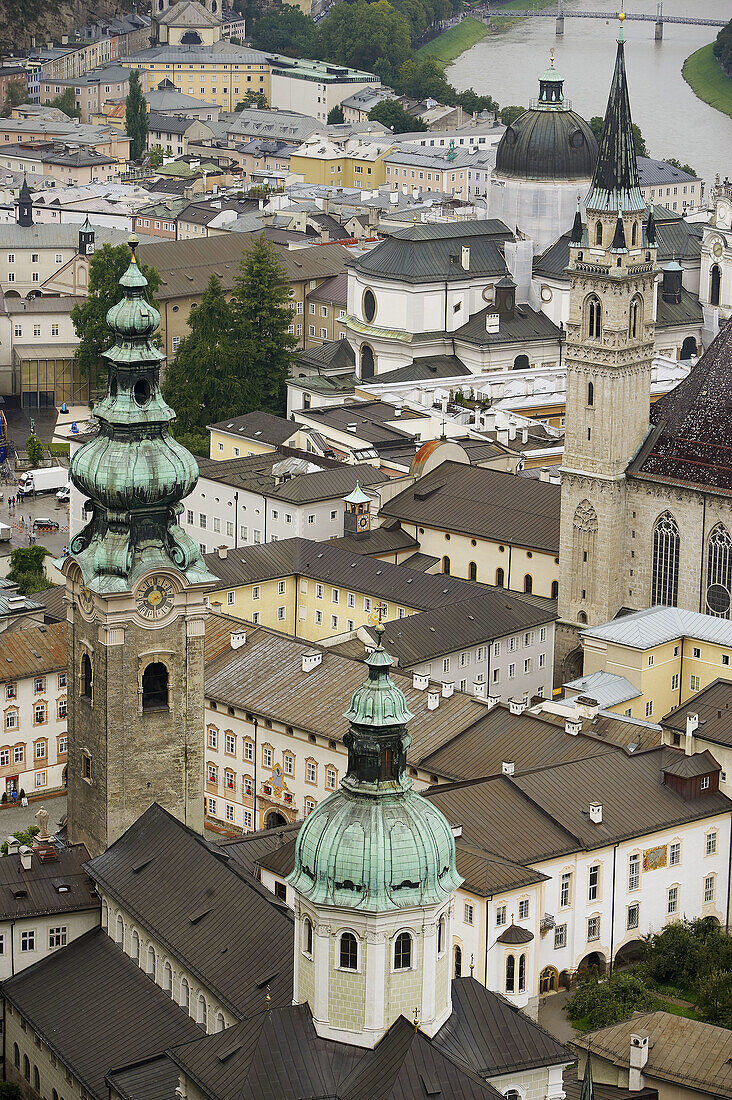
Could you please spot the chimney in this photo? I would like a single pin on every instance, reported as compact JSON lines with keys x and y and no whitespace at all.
{"x":587,"y":707}
{"x":238,"y":639}
{"x":352,"y":428}
{"x":492,"y":322}
{"x":311,"y":660}
{"x":502,"y":436}
{"x":13,"y":845}
{"x":493,"y":701}
{"x":448,"y":689}
{"x":638,"y":1059}
{"x":596,"y":813}
{"x":465,"y":256}
{"x":692,"y":724}
{"x":517,"y":706}
{"x":222,"y":551}
{"x":524,"y":435}
{"x":433,"y":699}
{"x":420,"y":681}
{"x":508,"y":767}
{"x":479,"y":690}
{"x":572,"y":726}
{"x":26,"y":855}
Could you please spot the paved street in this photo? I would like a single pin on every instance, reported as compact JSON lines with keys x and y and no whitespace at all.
{"x":552,"y":1016}
{"x":13,"y":818}
{"x":20,"y":519}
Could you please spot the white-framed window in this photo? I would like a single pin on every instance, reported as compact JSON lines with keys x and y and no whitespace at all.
{"x":468,"y":913}
{"x":230,"y":529}
{"x":266,"y":756}
{"x":189,"y":515}
{"x":593,"y":882}
{"x":496,"y":649}
{"x":229,"y":812}
{"x":674,"y":854}
{"x":523,"y":909}
{"x":40,"y":779}
{"x":230,"y":744}
{"x":694,"y":683}
{"x":560,"y":936}
{"x":212,"y":807}
{"x":672,"y":900}
{"x":57,"y":936}
{"x":351,"y":600}
{"x":565,"y":890}
{"x":311,"y":771}
{"x":593,"y":928}
{"x":330,"y":778}
{"x":202,"y":521}
{"x":256,"y":592}
{"x":367,"y":603}
{"x":28,"y":940}
{"x":675,"y":682}
{"x":318,"y":591}
{"x":309,"y":806}
{"x":709,"y":883}
{"x":633,"y":915}
{"x":18,"y":754}
{"x":705,"y":781}
{"x":248,"y":750}
{"x":230,"y":599}
{"x":248,"y":819}
{"x":213,"y":738}
{"x":501,"y":915}
{"x":281,"y":614}
{"x":334,"y":595}
{"x":334,"y":622}
{"x":445,"y":664}
{"x":634,"y":869}
{"x":649,"y":708}
{"x":710,"y":844}
{"x":217,"y":524}
{"x":288,"y":764}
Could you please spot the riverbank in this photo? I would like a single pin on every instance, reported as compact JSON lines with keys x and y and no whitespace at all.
{"x":707,"y":81}
{"x":446,"y":47}
{"x":501,"y":22}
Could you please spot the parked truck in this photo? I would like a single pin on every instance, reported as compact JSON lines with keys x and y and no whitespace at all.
{"x":46,"y":480}
{"x":6,"y":532}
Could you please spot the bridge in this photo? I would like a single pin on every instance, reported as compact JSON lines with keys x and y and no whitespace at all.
{"x":560,"y":14}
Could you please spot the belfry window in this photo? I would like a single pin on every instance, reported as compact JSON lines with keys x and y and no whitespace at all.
{"x":598,"y":233}
{"x":719,"y":572}
{"x":86,"y":677}
{"x":594,"y":317}
{"x":155,"y":686}
{"x":403,"y":951}
{"x":666,"y":543}
{"x":634,"y":318}
{"x":348,"y":951}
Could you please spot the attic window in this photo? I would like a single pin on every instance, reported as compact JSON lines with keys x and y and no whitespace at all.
{"x":17,"y":894}
{"x":199,"y":914}
{"x":63,"y":888}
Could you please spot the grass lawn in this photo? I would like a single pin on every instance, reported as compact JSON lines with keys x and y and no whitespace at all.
{"x":707,"y":81}
{"x":446,"y":47}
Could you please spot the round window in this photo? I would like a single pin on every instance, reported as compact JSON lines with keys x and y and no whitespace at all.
{"x":369,"y":305}
{"x":718,"y":599}
{"x":141,"y":391}
{"x":546,"y":293}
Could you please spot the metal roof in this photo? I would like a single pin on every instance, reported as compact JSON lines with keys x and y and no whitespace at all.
{"x":432,"y":251}
{"x":258,"y":426}
{"x":483,"y":503}
{"x":686,"y":312}
{"x":525,"y":326}
{"x":56,"y":885}
{"x":713,"y":706}
{"x":656,"y":625}
{"x":425,"y":367}
{"x":653,"y":172}
{"x":608,"y":689}
{"x":34,"y":651}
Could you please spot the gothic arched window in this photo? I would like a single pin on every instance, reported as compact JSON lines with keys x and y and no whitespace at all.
{"x":594,"y":317}
{"x":202,"y":1012}
{"x":666,"y":543}
{"x":522,"y":974}
{"x":598,"y":233}
{"x":510,"y":973}
{"x":220,"y":1022}
{"x":135,"y":946}
{"x":155,"y":686}
{"x":403,"y":951}
{"x":458,"y":968}
{"x":168,"y":979}
{"x":590,"y":393}
{"x":120,"y":930}
{"x":86,"y":676}
{"x":634,"y":316}
{"x":185,"y":995}
{"x":634,"y":233}
{"x":151,"y":962}
{"x":719,"y":572}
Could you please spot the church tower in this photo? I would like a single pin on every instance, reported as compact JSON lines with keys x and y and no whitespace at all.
{"x":374,"y":881}
{"x":610,"y":330}
{"x":24,"y":203}
{"x":136,"y":614}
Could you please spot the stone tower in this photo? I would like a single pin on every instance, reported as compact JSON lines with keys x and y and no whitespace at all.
{"x":134,"y":583}
{"x":374,"y":881}
{"x":612,"y":270}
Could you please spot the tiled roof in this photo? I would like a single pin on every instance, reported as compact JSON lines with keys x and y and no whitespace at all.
{"x":34,"y":651}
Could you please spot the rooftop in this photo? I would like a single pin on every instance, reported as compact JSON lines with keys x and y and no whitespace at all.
{"x":34,"y":651}
{"x":652,"y":172}
{"x":259,"y":427}
{"x":432,"y":251}
{"x":58,"y":884}
{"x":657,"y":625}
{"x":712,"y":705}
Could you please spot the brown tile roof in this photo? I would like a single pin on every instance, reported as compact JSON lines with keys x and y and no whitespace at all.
{"x":32,"y":650}
{"x":261,"y":427}
{"x":688,"y":1053}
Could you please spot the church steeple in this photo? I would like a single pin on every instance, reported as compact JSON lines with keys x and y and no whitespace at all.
{"x":25,"y":205}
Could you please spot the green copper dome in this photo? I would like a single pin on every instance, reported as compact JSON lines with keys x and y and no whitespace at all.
{"x":133,"y":472}
{"x":375,"y":844}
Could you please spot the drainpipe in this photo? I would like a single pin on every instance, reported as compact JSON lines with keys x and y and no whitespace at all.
{"x":487,"y":926}
{"x":701,"y":571}
{"x":236,"y":521}
{"x":256,"y":748}
{"x":508,"y":580}
{"x":729,"y":877}
{"x":612,"y":915}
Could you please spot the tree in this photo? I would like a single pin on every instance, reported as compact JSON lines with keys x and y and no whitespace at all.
{"x":426,"y":80}
{"x":34,"y":449}
{"x":391,"y":113}
{"x":262,"y":314}
{"x":641,"y":150}
{"x":686,"y":951}
{"x":510,"y":114}
{"x":156,"y":154}
{"x":26,"y":569}
{"x":473,"y":103}
{"x":714,"y":998}
{"x":286,"y":30}
{"x":66,"y":103}
{"x":107,"y":267}
{"x":136,"y":120}
{"x":366,"y":36}
{"x":15,"y":94}
{"x":206,"y":380}
{"x":336,"y":116}
{"x":601,"y":1003}
{"x":681,"y":167}
{"x":252,"y":99}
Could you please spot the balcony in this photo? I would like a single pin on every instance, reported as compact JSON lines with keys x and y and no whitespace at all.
{"x":546,"y":923}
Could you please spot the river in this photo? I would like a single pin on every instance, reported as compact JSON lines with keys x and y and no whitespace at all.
{"x":673,"y":120}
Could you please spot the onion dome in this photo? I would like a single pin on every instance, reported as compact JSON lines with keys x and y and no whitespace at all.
{"x":375,"y":844}
{"x":134,"y":473}
{"x":515,"y":935}
{"x":549,"y":141}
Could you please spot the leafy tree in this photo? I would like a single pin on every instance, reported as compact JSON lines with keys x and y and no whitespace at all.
{"x":26,"y":569}
{"x":206,"y":380}
{"x":195,"y":442}
{"x":641,"y":149}
{"x":108,"y":265}
{"x":426,"y":80}
{"x":391,"y":113}
{"x":66,"y":103}
{"x":681,"y":167}
{"x":286,"y":30}
{"x":25,"y":837}
{"x":16,"y":94}
{"x":473,"y":103}
{"x":136,"y":120}
{"x":34,"y":449}
{"x":510,"y":114}
{"x":603,"y":1003}
{"x":367,"y":36}
{"x":714,"y":998}
{"x":262,"y":314}
{"x":686,"y":951}
{"x":156,"y":154}
{"x":723,"y":49}
{"x":336,"y":116}
{"x":253,"y":98}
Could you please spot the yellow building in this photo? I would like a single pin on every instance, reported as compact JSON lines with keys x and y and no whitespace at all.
{"x":254,"y":433}
{"x":217,"y":75}
{"x":355,"y":164}
{"x":646,"y":664}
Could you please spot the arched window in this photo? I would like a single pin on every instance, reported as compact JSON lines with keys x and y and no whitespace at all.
{"x":220,"y":1022}
{"x":36,"y":1079}
{"x":528,"y":583}
{"x":521,"y":362}
{"x":446,"y":565}
{"x":590,"y":393}
{"x":307,"y":936}
{"x":26,"y":1067}
{"x":510,"y":973}
{"x":155,"y":686}
{"x":634,"y":233}
{"x":522,"y":974}
{"x":555,"y":590}
{"x":666,"y":543}
{"x":715,"y":284}
{"x":500,"y":578}
{"x":472,"y":571}
{"x":367,"y":362}
{"x":185,"y":995}
{"x":634,"y":317}
{"x":441,"y":936}
{"x":348,"y":953}
{"x":105,"y":915}
{"x":582,"y":617}
{"x":369,"y":305}
{"x":135,"y":946}
{"x":719,"y":572}
{"x":86,"y":676}
{"x":202,"y":1012}
{"x":16,"y":1054}
{"x":598,"y":233}
{"x":151,"y":962}
{"x":458,"y":954}
{"x":168,"y":979}
{"x":594,"y":317}
{"x":403,"y":951}
{"x":584,"y":535}
{"x":120,"y":930}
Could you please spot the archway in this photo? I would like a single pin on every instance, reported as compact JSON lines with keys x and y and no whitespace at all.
{"x":573,"y":664}
{"x":155,"y":686}
{"x":630,"y":952}
{"x":564,"y":979}
{"x":689,"y":348}
{"x":521,"y":362}
{"x":367,"y":362}
{"x":594,"y":961}
{"x":715,"y":283}
{"x":275,"y":820}
{"x":548,"y":980}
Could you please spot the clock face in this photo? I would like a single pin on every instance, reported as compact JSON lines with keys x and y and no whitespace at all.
{"x":154,"y":597}
{"x":86,"y":600}
{"x":717,"y":248}
{"x":363,"y":522}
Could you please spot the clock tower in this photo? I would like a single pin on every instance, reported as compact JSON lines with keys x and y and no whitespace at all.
{"x":135,"y":584}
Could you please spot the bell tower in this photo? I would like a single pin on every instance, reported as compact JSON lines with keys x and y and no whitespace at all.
{"x":135,"y":583}
{"x":610,"y":330}
{"x":357,"y":515}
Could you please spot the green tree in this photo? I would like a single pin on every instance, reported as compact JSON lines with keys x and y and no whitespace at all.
{"x":601,"y":1003}
{"x":66,"y":103}
{"x":391,"y":113}
{"x":16,"y":94}
{"x":108,"y":265}
{"x":136,"y":120}
{"x":286,"y":30}
{"x":262,"y":314}
{"x":426,"y":80}
{"x":714,"y":998}
{"x":25,"y":837}
{"x":686,"y":951}
{"x":26,"y":569}
{"x":473,"y":103}
{"x":205,"y":382}
{"x":366,"y":36}
{"x":510,"y":114}
{"x":641,"y":149}
{"x":253,"y":98}
{"x":681,"y":167}
{"x":336,"y":116}
{"x":156,"y":154}
{"x":34,"y":449}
